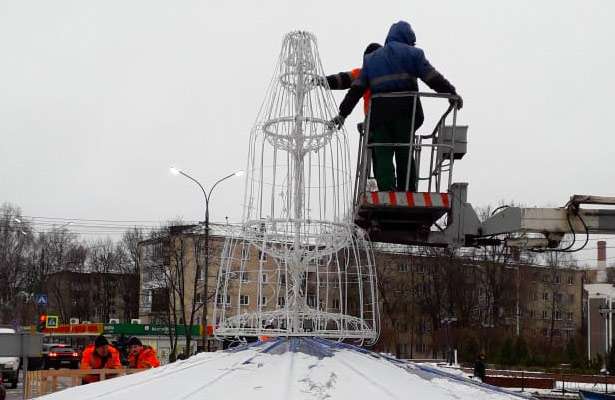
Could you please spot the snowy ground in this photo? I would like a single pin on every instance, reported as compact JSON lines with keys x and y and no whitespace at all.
{"x":288,"y":369}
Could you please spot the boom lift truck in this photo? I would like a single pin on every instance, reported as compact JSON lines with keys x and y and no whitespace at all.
{"x":441,"y":216}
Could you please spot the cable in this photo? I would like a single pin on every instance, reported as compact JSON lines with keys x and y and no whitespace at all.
{"x":499,"y":208}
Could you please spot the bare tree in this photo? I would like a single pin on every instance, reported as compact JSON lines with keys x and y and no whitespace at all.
{"x":15,"y":245}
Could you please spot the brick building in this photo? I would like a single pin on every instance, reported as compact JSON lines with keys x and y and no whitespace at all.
{"x":92,"y":296}
{"x":431,"y":302}
{"x":428,"y":301}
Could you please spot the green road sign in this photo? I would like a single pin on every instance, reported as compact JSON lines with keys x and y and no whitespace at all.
{"x":147,"y":330}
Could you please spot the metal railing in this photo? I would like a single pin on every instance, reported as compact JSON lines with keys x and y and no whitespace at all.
{"x":441,"y":158}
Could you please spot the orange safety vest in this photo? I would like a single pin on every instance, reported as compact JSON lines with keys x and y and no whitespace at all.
{"x":91,"y":360}
{"x":367,"y":95}
{"x":146,"y":358}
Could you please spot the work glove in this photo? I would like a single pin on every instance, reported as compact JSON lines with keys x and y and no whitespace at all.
{"x":338,"y":121}
{"x":456,"y":101}
{"x":319,"y":81}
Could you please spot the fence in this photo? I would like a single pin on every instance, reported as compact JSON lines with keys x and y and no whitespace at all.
{"x":563,"y":382}
{"x":39,"y":383}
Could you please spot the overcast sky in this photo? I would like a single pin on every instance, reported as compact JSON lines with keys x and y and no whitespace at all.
{"x":98,"y":99}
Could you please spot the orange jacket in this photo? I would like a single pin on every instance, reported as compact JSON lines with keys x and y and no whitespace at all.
{"x":367,"y":95}
{"x":146,"y":358}
{"x":344,"y":80}
{"x":91,"y":360}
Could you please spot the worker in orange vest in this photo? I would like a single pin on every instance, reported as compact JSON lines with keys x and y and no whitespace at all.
{"x":141,"y":356}
{"x":343,"y":80}
{"x":99,"y":355}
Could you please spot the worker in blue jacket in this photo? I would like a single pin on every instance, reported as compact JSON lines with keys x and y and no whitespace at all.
{"x":394,"y":68}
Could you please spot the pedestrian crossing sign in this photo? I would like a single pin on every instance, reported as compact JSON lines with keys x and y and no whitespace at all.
{"x":52,"y":321}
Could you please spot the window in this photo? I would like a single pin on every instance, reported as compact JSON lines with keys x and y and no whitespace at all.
{"x":546,"y":278}
{"x":558,"y":315}
{"x":533,"y":295}
{"x":220,"y":299}
{"x":245,"y":253}
{"x":402,"y":350}
{"x":336,"y":304}
{"x":199,"y":298}
{"x":423,"y":326}
{"x":282,"y":279}
{"x":569,"y":315}
{"x":545,"y":332}
{"x":557,"y":297}
{"x":569,"y":333}
{"x":311,"y":300}
{"x":244,"y":276}
{"x":262,"y":255}
{"x":420,"y":268}
{"x":545,"y":296}
{"x":558,"y":279}
{"x":545,"y":314}
{"x":571,"y":279}
{"x":244,"y":300}
{"x":557,"y":332}
{"x":571,"y":298}
{"x":420,"y":348}
{"x":281,"y":301}
{"x":264,"y":278}
{"x":263,"y":301}
{"x":402,"y":267}
{"x":532,"y":314}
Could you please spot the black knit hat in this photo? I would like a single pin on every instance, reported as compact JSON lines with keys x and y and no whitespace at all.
{"x":100,"y":341}
{"x":134,"y":341}
{"x":371,"y":48}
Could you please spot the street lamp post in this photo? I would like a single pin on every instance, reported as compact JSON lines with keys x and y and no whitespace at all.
{"x":207,"y":196}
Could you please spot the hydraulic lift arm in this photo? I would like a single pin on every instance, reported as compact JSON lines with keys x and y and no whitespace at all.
{"x":551,"y":224}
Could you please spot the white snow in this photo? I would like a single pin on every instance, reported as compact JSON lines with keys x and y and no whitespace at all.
{"x":287,"y":369}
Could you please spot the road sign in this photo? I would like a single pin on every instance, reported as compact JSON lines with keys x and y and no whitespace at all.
{"x":52,"y":321}
{"x":41,"y":299}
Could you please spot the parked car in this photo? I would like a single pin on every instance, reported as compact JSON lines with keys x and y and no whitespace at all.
{"x":9,"y":366}
{"x":56,"y":355}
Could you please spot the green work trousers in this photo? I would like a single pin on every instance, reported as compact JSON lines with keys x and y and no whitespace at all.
{"x":393,"y":131}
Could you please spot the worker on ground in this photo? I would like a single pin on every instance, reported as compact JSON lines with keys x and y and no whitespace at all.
{"x":141,"y":356}
{"x":99,"y":355}
{"x":480,"y":367}
{"x":394,"y":68}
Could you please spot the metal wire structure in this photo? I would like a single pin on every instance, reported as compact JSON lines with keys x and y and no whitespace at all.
{"x":298,"y":266}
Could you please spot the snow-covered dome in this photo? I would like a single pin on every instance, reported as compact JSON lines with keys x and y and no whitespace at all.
{"x":281,"y":369}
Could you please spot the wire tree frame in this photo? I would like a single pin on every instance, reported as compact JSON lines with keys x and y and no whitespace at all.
{"x":298,"y":266}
